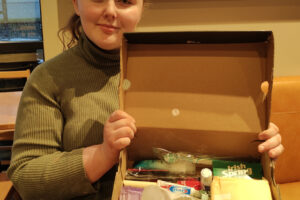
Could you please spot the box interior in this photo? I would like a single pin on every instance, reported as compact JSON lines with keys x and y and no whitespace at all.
{"x":203,"y":98}
{"x":207,"y":96}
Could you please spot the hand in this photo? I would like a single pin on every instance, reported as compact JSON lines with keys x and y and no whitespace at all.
{"x":272,"y":143}
{"x":119,"y":130}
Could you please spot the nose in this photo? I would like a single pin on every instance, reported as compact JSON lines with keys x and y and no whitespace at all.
{"x":110,"y":11}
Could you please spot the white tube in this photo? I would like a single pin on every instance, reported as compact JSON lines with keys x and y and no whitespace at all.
{"x":176,"y":188}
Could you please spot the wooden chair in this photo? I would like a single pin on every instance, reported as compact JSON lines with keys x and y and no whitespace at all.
{"x":14,"y":74}
{"x":9,"y":102}
{"x":13,"y":80}
{"x":285,"y":113}
{"x":6,"y":140}
{"x":7,"y":191}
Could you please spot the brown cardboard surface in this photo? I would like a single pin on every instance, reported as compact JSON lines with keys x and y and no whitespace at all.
{"x":197,"y":87}
{"x":216,"y":143}
{"x":197,"y":92}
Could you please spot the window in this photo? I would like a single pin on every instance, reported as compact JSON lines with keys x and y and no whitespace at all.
{"x":20,"y":20}
{"x":21,"y":45}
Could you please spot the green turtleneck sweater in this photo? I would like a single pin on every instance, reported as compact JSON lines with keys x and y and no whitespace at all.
{"x":63,"y":108}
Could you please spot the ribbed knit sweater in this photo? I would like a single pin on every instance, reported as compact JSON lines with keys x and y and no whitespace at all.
{"x":63,"y":109}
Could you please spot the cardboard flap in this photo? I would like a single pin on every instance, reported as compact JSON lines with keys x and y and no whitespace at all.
{"x":204,"y":96}
{"x":203,"y":37}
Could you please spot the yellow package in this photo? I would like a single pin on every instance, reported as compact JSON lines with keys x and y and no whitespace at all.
{"x":223,"y":188}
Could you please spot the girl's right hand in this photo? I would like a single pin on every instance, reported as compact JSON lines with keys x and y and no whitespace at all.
{"x":118,"y":132}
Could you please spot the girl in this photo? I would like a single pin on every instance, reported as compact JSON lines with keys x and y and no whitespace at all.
{"x":69,"y":131}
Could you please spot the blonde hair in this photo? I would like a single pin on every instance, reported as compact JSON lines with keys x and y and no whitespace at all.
{"x":69,"y":34}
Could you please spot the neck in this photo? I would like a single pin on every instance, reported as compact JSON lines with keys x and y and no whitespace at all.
{"x":108,"y":51}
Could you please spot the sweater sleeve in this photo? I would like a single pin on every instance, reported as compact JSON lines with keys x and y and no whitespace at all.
{"x":40,"y":168}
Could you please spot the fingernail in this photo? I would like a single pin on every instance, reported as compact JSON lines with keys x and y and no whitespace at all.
{"x":261,"y":148}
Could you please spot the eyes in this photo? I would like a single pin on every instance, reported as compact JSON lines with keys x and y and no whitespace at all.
{"x":128,"y":2}
{"x":118,"y":2}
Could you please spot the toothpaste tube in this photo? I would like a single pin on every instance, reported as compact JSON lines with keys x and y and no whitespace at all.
{"x":191,"y":182}
{"x":176,"y":188}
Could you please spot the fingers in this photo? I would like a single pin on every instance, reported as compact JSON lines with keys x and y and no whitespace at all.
{"x":273,"y":146}
{"x":123,"y":132}
{"x":270,"y":143}
{"x":276,"y":152}
{"x":119,"y":130}
{"x":122,"y":137}
{"x":124,"y":123}
{"x":122,"y":143}
{"x":269,"y":133}
{"x":117,"y":115}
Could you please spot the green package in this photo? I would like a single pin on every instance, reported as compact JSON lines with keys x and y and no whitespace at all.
{"x":237,"y":169}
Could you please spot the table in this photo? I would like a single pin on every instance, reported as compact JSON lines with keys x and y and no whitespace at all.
{"x":5,"y":185}
{"x":9,"y":102}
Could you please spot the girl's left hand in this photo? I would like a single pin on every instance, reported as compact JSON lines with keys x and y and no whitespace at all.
{"x":272,"y":143}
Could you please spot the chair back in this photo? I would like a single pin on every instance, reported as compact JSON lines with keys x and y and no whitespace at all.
{"x":6,"y":141}
{"x":285,"y":113}
{"x":14,"y":74}
{"x":8,"y":113}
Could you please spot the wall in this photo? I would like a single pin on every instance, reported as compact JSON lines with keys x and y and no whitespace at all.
{"x":49,"y":13}
{"x":55,"y":14}
{"x":282,"y":17}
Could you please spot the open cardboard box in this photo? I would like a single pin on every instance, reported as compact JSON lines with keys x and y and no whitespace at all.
{"x":199,"y":92}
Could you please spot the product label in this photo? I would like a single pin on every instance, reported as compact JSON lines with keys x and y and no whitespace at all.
{"x":237,"y":169}
{"x":178,"y":188}
{"x":184,"y":190}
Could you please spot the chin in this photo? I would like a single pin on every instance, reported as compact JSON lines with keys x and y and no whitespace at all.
{"x":109,"y":48}
{"x":109,"y":45}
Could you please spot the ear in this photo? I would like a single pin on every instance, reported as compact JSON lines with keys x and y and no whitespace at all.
{"x":75,"y":5}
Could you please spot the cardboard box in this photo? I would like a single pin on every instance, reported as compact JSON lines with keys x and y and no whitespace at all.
{"x":201,"y":92}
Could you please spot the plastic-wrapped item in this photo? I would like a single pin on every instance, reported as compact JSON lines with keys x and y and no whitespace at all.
{"x":172,"y":157}
{"x":179,"y":167}
{"x":239,"y":188}
{"x":152,"y":170}
{"x":151,"y":164}
{"x":131,"y":193}
{"x":155,"y":192}
{"x":154,"y":175}
{"x":138,"y":184}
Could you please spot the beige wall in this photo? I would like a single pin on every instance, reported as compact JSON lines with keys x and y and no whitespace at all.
{"x":280,"y":16}
{"x":55,"y":14}
{"x":49,"y":14}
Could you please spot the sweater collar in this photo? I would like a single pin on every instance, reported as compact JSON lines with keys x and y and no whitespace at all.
{"x":96,"y":56}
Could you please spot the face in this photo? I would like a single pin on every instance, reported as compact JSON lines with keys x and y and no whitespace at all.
{"x":105,"y":21}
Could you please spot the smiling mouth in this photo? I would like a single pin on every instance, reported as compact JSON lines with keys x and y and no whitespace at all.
{"x":108,"y":28}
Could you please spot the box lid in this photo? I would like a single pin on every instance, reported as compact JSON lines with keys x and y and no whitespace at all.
{"x":202,"y":92}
